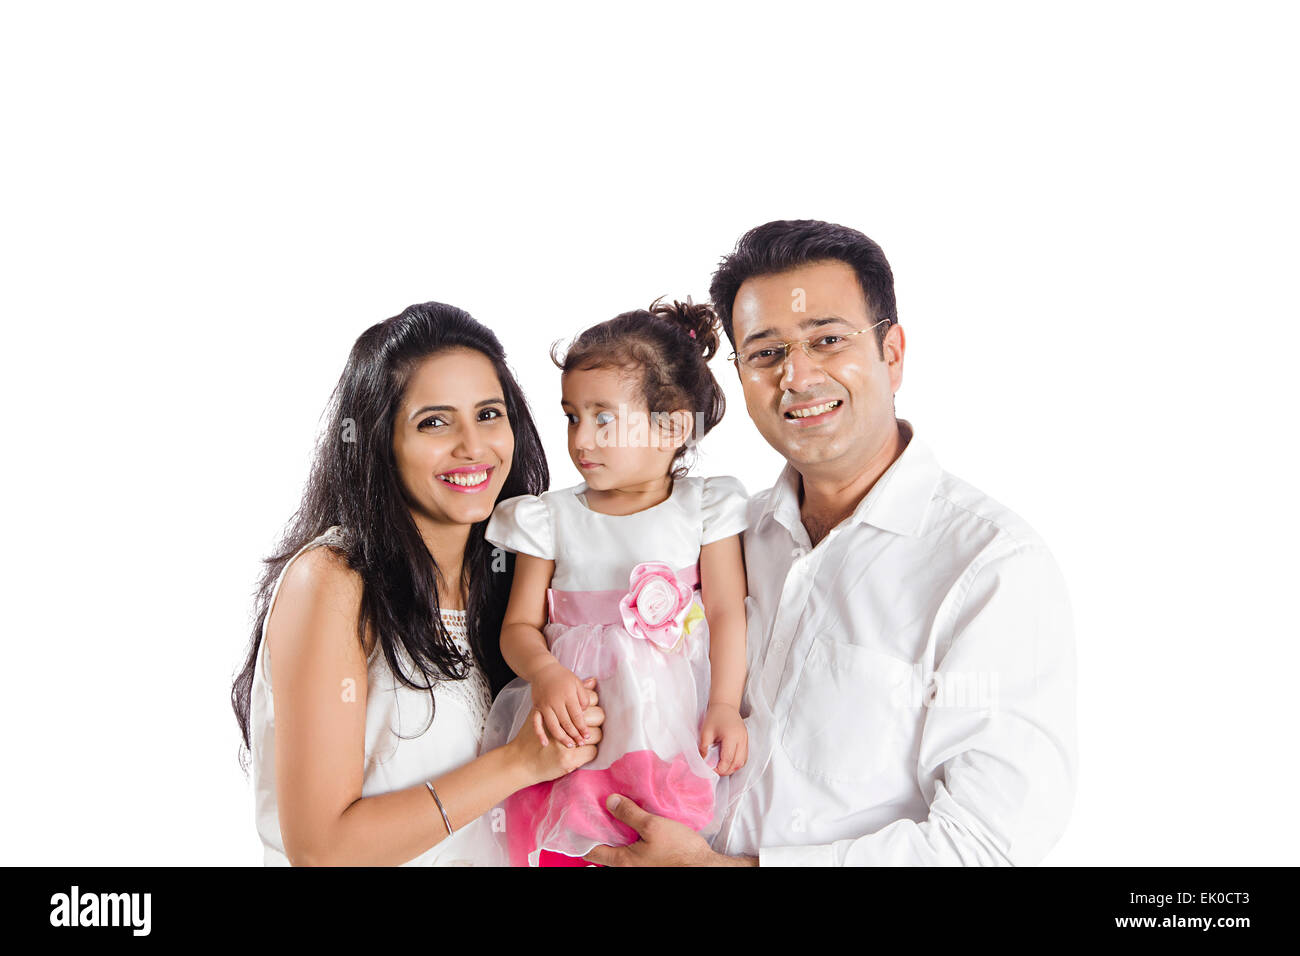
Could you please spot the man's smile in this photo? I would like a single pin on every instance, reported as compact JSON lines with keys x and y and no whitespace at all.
{"x":812,"y":413}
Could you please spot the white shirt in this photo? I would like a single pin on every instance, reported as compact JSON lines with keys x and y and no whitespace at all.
{"x":911,"y":687}
{"x":403,"y":747}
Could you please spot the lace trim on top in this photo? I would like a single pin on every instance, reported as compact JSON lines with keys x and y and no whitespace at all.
{"x":472,"y":693}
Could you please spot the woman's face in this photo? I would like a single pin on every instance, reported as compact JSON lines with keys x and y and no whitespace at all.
{"x":452,"y":440}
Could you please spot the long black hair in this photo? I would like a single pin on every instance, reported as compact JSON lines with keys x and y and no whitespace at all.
{"x":354,"y":483}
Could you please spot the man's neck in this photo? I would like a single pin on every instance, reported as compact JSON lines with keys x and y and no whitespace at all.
{"x":827,"y":498}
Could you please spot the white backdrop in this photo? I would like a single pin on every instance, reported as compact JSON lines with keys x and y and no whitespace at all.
{"x":1090,"y":210}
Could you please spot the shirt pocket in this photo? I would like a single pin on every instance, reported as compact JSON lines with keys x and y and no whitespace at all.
{"x":854,"y":715}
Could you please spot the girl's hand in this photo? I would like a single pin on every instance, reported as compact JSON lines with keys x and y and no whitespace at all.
{"x":722,"y":723}
{"x":543,"y":759}
{"x":561,"y":699}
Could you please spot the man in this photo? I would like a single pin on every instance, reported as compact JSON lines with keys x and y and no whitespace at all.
{"x":911,"y":687}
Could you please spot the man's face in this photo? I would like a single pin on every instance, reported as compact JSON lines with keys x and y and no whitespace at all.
{"x":858,"y":380}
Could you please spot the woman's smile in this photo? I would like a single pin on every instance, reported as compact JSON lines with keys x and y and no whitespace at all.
{"x":468,"y":480}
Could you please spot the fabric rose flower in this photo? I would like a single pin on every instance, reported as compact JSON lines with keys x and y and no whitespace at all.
{"x":656,"y":605}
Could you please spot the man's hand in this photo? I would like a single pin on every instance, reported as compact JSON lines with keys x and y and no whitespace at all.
{"x":663,"y":842}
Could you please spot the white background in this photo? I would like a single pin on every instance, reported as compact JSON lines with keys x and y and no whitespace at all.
{"x":1090,"y":210}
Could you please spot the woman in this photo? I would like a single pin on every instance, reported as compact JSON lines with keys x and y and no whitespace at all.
{"x":376,"y":641}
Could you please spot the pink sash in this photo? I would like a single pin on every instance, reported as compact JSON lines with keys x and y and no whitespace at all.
{"x":600,"y":607}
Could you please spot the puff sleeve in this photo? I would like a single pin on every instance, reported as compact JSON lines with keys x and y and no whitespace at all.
{"x":724,"y":505}
{"x":524,"y":525}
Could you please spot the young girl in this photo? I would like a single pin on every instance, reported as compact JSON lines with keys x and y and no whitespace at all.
{"x":605,"y":587}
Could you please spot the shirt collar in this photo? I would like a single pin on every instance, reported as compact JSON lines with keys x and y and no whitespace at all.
{"x":898,"y":502}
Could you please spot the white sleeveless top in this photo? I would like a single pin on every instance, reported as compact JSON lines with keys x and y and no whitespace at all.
{"x":403,"y":748}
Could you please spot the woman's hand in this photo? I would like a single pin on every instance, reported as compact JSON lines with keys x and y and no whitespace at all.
{"x":561,"y":700}
{"x":722,"y":723}
{"x":545,"y":759}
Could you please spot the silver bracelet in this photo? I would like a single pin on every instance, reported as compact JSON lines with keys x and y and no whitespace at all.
{"x":429,"y":784}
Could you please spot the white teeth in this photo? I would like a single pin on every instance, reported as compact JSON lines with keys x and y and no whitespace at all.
{"x":466,"y":481}
{"x":815,"y":410}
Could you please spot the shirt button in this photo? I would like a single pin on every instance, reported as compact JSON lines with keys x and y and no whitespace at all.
{"x":798,"y":552}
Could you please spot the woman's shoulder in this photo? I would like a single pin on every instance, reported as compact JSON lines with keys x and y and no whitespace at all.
{"x":320,"y":570}
{"x":317,"y":584}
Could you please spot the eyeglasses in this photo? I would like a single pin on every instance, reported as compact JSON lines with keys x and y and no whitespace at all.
{"x":762,"y":356}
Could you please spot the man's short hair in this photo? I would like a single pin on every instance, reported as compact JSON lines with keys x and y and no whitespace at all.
{"x":786,"y":244}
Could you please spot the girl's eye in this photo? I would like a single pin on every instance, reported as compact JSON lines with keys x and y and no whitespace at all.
{"x":604,"y":418}
{"x":492,"y":413}
{"x":431,"y":420}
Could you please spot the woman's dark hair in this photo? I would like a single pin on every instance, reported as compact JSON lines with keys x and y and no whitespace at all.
{"x":669,"y":347}
{"x":354,"y":483}
{"x":785,"y":244}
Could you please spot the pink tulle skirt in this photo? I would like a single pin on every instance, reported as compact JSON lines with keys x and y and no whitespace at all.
{"x":654,"y":701}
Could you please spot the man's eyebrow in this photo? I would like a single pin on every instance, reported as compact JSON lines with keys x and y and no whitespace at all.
{"x":451,"y":408}
{"x":805,"y":324}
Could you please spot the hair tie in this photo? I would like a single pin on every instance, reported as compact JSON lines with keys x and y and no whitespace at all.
{"x":692,"y":333}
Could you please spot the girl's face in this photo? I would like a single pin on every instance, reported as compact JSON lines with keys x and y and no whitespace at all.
{"x":614,"y":441}
{"x":452,"y":440}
